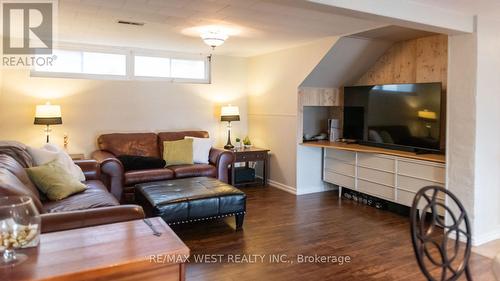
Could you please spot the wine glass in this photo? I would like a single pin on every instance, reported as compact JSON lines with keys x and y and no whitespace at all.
{"x":19,"y":228}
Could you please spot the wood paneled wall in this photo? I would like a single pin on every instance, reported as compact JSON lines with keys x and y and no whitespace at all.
{"x":414,"y":61}
{"x":310,"y":96}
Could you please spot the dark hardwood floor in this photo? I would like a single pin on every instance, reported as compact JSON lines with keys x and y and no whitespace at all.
{"x":378,"y":242}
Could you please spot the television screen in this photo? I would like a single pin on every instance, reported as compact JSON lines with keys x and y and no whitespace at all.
{"x":399,"y":116}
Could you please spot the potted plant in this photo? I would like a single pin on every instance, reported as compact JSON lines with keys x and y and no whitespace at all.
{"x":238,"y":143}
{"x":247,"y":142}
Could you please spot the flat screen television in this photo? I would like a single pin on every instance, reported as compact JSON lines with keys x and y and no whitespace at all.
{"x":397,"y":116}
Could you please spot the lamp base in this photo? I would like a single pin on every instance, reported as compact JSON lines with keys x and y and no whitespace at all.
{"x":229,"y":145}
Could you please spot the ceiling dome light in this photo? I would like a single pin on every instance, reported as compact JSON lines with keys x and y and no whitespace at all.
{"x":214,"y":38}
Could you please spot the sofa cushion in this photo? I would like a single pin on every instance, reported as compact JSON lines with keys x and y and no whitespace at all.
{"x":140,"y":144}
{"x":15,"y":181}
{"x":132,"y":162}
{"x":173,"y":136}
{"x":178,"y":152}
{"x":196,"y":170}
{"x":49,"y":153}
{"x":133,"y":177}
{"x":201,"y":149}
{"x":55,"y":181}
{"x":18,"y":151}
{"x":96,"y":195}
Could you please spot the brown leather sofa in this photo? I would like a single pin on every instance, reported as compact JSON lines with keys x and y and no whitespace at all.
{"x":94,"y":206}
{"x":122,"y":183}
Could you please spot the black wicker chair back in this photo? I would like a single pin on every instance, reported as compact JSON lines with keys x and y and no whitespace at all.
{"x":442,"y":247}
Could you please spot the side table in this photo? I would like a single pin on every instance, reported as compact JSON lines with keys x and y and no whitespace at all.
{"x":77,"y":156}
{"x":246,"y":155}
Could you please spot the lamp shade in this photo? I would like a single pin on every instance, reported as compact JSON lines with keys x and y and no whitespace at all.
{"x":48,"y":114}
{"x":230,"y":113}
{"x":428,"y":115}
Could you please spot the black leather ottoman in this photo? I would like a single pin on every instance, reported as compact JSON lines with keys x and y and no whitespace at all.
{"x":191,"y":199}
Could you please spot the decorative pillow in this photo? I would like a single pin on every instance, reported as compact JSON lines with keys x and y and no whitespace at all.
{"x":201,"y":149}
{"x":178,"y":152}
{"x":41,"y":156}
{"x":54,"y":180}
{"x":132,"y":162}
{"x":51,"y":152}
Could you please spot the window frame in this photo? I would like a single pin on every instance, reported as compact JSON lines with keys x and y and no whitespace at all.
{"x":171,"y":55}
{"x":81,"y":75}
{"x":129,"y":64}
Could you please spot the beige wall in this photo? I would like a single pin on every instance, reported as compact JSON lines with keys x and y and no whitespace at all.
{"x":92,"y":107}
{"x":487,"y":150}
{"x":273,"y":80}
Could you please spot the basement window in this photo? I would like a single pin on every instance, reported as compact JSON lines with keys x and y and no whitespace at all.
{"x":126,"y":64}
{"x":83,"y":64}
{"x":151,"y":67}
{"x":176,"y":69}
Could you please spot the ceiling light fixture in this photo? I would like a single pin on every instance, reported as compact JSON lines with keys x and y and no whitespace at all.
{"x":214,"y":38}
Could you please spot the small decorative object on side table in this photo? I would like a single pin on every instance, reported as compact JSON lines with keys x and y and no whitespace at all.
{"x":246,"y":155}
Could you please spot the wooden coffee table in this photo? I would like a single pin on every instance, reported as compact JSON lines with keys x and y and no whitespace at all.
{"x":120,"y":251}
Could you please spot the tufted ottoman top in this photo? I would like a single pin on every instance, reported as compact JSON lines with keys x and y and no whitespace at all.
{"x":190,"y":198}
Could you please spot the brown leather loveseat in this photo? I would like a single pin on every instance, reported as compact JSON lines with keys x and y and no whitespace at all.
{"x":94,"y":206}
{"x":122,"y":183}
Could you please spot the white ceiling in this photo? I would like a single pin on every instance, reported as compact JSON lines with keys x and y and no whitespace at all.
{"x":262,"y":26}
{"x":468,"y":7}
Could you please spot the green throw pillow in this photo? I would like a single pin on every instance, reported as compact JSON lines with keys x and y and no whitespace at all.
{"x":54,"y":181}
{"x":178,"y":152}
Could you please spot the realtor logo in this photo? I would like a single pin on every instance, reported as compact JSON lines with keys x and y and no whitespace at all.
{"x":27,"y":28}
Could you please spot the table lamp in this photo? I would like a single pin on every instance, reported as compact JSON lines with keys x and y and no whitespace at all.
{"x":47,"y":115}
{"x":229,"y":113}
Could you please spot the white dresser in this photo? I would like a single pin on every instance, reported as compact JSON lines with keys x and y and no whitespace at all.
{"x":394,"y":178}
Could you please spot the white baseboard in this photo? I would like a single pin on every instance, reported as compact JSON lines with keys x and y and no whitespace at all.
{"x":283,"y":187}
{"x":293,"y":190}
{"x":486,"y":237}
{"x":315,"y":190}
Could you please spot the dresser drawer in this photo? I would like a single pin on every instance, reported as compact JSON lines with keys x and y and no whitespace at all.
{"x":339,"y":167}
{"x":376,"y":162}
{"x":338,"y":179}
{"x":249,"y":156}
{"x":414,"y":184}
{"x":378,"y":190}
{"x":376,"y":176}
{"x":342,"y":155}
{"x":406,"y":198}
{"x":421,"y":170}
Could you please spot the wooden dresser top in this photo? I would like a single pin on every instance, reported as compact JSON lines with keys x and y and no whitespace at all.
{"x":438,"y":158}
